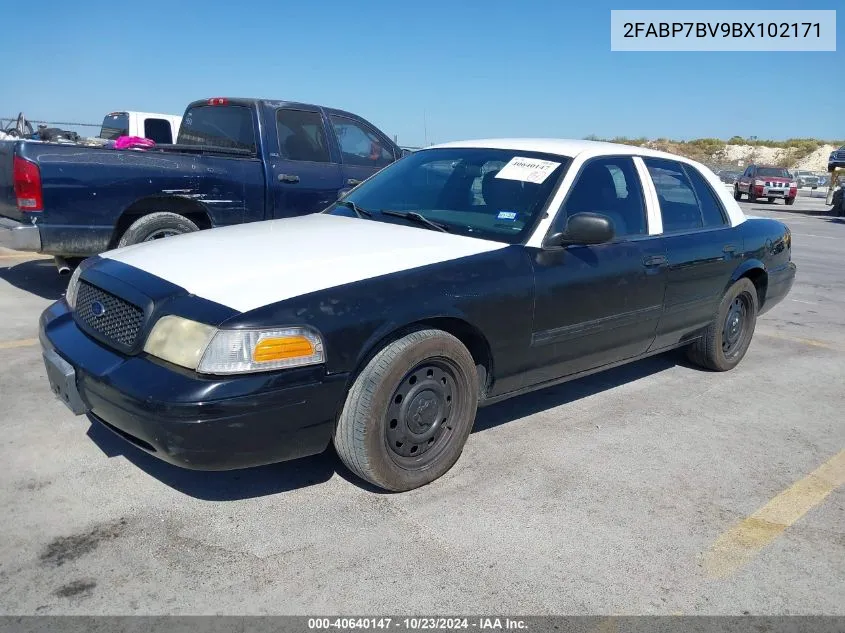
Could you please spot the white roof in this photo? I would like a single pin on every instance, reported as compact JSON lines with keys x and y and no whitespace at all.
{"x":563,"y":147}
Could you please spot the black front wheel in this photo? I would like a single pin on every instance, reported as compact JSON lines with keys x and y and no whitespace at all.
{"x":729,"y":335}
{"x":409,"y":412}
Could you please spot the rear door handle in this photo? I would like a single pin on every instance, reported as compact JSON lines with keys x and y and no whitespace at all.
{"x":291,"y":178}
{"x":353,"y":182}
{"x":655,"y":260}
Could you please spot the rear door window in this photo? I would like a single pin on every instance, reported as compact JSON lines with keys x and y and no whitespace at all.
{"x":158,"y":130}
{"x":301,"y":136}
{"x":711,"y":209}
{"x":678,"y":203}
{"x":115,"y":125}
{"x":229,"y":126}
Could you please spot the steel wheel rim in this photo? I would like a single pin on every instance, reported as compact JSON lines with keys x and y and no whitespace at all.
{"x":418,"y":421}
{"x":735,"y":328}
{"x":160,"y":234}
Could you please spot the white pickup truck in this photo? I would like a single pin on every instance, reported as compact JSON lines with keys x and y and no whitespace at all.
{"x":161,"y":128}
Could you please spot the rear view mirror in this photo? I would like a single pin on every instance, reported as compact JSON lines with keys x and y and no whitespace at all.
{"x":583,"y":228}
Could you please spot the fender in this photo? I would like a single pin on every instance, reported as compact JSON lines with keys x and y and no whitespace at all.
{"x":745,"y":267}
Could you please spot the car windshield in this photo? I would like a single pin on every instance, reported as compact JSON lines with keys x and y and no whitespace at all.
{"x":492,"y":194}
{"x":114,"y":126}
{"x":773,"y":172}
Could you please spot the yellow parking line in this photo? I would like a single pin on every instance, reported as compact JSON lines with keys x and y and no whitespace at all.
{"x":26,"y":342}
{"x":741,"y":543}
{"x":805,"y":341}
{"x":24,"y":256}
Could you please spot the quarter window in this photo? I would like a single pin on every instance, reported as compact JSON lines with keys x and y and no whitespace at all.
{"x":158,"y":130}
{"x":711,"y":209}
{"x":359,"y":145}
{"x":609,"y":186}
{"x":301,"y":136}
{"x":678,"y":204}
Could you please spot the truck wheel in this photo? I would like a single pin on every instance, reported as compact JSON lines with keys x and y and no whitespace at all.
{"x":790,"y":201}
{"x":409,"y":412}
{"x":156,"y":226}
{"x":737,"y":194}
{"x":729,"y":335}
{"x":751,"y":196}
{"x":839,"y":202}
{"x":771,"y":200}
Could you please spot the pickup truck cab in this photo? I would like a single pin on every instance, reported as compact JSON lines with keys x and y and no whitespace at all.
{"x":235,"y":161}
{"x":766,"y":181}
{"x":161,"y":128}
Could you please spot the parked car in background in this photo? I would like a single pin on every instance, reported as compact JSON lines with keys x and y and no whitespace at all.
{"x":235,"y":161}
{"x":766,"y":181}
{"x":806,"y":179}
{"x":836,"y":159}
{"x":727,"y":176}
{"x":382,"y":323}
{"x":161,"y":128}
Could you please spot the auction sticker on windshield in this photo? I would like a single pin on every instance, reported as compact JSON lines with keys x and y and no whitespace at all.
{"x":527,"y":169}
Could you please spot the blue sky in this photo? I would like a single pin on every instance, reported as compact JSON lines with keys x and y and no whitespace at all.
{"x":436,"y":70}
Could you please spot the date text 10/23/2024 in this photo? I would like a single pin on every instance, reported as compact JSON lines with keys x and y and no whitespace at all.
{"x":416,"y":624}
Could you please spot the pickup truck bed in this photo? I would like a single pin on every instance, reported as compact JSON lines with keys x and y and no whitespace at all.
{"x":235,"y":161}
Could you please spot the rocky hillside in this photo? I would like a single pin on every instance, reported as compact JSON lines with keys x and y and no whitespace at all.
{"x":809,"y":154}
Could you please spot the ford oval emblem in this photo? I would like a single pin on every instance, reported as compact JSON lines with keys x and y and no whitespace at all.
{"x":97,"y":309}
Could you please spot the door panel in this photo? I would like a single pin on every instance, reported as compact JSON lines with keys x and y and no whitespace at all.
{"x":702,"y":249}
{"x":304,"y":178}
{"x":597,"y":304}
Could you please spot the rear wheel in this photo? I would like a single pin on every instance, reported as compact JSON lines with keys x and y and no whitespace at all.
{"x":728,"y":337}
{"x":409,"y":412}
{"x":156,"y":226}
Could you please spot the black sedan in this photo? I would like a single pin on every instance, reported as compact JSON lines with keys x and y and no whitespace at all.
{"x":457,"y":277}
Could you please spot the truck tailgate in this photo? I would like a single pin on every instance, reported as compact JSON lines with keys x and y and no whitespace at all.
{"x":8,"y":200}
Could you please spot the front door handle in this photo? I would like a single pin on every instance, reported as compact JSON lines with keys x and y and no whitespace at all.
{"x":729,"y":250}
{"x":655,"y":260}
{"x":353,"y":182}
{"x":291,"y":178}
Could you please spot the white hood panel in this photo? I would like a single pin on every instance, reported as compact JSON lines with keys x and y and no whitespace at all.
{"x":251,"y":265}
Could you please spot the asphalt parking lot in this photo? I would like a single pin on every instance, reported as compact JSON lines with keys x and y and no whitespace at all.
{"x":655,"y":488}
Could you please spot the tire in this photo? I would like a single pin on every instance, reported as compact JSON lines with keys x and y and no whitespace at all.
{"x":839,"y":202}
{"x":722,"y":347}
{"x":751,"y":196}
{"x":771,"y":200}
{"x":737,"y":194}
{"x":790,"y":201}
{"x":156,"y":226}
{"x":419,"y":391}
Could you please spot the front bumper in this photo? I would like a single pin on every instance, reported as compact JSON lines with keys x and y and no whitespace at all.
{"x":216,"y":423}
{"x":775,"y":192}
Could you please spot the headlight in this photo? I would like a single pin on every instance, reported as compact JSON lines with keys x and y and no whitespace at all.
{"x":211,"y":351}
{"x":73,"y":287}
{"x":793,"y":184}
{"x":179,"y":341}
{"x":759,"y":183}
{"x":242,"y":351}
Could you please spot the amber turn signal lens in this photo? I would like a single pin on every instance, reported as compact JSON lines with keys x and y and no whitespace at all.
{"x":280,"y":348}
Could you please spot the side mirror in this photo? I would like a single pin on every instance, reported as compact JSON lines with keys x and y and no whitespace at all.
{"x":342,"y":194}
{"x":583,"y":228}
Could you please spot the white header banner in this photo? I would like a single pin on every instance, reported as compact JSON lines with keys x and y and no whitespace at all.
{"x":757,"y":30}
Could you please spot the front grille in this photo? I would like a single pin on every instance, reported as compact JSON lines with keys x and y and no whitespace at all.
{"x":118,"y":321}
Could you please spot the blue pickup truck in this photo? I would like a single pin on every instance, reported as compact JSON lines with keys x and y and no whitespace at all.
{"x":234,"y":161}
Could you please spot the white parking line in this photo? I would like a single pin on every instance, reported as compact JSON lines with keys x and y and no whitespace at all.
{"x":811,"y":303}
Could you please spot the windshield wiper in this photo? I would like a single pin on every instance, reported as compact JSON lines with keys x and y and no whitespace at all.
{"x":361,"y":213}
{"x":416,"y":217}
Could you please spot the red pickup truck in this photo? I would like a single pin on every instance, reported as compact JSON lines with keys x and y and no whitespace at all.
{"x":764,"y":181}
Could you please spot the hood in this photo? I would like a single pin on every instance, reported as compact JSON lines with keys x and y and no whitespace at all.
{"x":251,"y":265}
{"x":774,"y":178}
